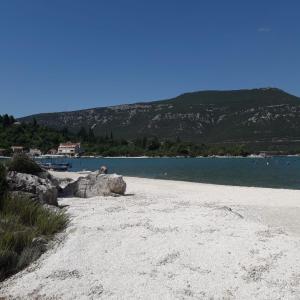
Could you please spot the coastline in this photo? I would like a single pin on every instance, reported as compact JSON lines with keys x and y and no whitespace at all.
{"x":168,"y":239}
{"x":273,"y":172}
{"x":177,"y":156}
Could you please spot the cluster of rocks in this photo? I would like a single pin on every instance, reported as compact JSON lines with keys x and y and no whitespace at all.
{"x":38,"y":187}
{"x":45,"y":188}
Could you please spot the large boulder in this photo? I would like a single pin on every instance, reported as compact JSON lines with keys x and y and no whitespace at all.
{"x":42,"y":189}
{"x":56,"y":181}
{"x":95,"y":184}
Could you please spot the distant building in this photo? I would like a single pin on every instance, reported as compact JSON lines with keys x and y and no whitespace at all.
{"x":3,"y":152}
{"x":52,"y":152}
{"x":35,"y":152}
{"x":69,"y":148}
{"x":17,"y":149}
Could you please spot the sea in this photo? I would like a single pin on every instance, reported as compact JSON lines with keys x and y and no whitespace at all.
{"x":273,"y":172}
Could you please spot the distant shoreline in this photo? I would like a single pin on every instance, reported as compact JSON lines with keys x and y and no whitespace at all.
{"x":150,"y":157}
{"x":143,"y":157}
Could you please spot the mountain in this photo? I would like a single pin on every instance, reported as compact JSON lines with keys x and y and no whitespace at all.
{"x":266,"y":115}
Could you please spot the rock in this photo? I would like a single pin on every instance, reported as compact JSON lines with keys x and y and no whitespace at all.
{"x":21,"y":194}
{"x":103,"y":170}
{"x":54,"y":209}
{"x":38,"y":241}
{"x":58,"y":182}
{"x":96,"y":184}
{"x":45,"y":175}
{"x":43,"y":189}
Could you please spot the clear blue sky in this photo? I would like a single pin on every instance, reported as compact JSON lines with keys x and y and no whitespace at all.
{"x":60,"y":55}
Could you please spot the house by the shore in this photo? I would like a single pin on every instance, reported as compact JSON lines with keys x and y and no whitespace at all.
{"x":70,"y":149}
{"x":52,"y":151}
{"x":35,"y":152}
{"x":3,"y":152}
{"x":17,"y":149}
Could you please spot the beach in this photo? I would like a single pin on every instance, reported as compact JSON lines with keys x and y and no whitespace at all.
{"x":171,"y":240}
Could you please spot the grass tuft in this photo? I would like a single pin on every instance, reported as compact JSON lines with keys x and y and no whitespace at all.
{"x":22,"y":221}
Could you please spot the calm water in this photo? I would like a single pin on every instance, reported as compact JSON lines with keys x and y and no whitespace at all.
{"x":278,"y":172}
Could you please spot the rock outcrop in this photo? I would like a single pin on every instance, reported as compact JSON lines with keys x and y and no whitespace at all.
{"x":39,"y":189}
{"x":95,"y":184}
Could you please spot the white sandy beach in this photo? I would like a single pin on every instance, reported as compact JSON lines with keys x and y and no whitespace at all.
{"x":172,"y":240}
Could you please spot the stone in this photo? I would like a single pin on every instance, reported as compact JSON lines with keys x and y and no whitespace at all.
{"x":40,"y":243}
{"x":43,"y":189}
{"x":103,"y":170}
{"x":96,"y":184}
{"x":21,"y":194}
{"x":58,"y":182}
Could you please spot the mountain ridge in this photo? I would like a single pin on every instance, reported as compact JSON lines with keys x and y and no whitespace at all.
{"x":234,"y":116}
{"x":162,"y":100}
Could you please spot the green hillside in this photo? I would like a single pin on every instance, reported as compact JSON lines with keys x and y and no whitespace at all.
{"x":30,"y":135}
{"x":261,"y":117}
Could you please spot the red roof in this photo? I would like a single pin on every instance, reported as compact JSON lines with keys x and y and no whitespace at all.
{"x":67,"y":145}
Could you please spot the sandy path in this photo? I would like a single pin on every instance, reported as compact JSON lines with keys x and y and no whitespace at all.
{"x":172,"y":240}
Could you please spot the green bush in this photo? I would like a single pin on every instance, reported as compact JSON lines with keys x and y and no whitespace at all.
{"x":8,"y":261}
{"x":23,"y":164}
{"x":16,"y":240}
{"x":32,"y":214}
{"x":3,"y":183}
{"x":21,"y":221}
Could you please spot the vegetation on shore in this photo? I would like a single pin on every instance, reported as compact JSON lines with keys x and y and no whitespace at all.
{"x":33,"y":135}
{"x":21,"y":163}
{"x":152,"y":146}
{"x":25,"y":228}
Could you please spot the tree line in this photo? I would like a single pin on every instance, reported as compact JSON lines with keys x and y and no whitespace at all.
{"x":33,"y":135}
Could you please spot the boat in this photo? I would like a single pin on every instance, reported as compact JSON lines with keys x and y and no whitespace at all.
{"x":55,"y":166}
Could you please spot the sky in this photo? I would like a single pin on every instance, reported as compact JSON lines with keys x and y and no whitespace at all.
{"x":61,"y":55}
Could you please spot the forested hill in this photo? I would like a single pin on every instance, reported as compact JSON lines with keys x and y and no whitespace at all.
{"x":240,"y":116}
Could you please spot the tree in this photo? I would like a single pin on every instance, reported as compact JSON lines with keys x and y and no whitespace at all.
{"x":153,"y":144}
{"x":34,"y":122}
{"x":144,"y":142}
{"x":83,"y":134}
{"x":6,"y":120}
{"x":91,"y":136}
{"x":11,"y":120}
{"x":65,"y":132}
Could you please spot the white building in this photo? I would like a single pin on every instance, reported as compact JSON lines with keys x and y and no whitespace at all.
{"x":69,"y":148}
{"x":17,"y":149}
{"x":35,"y":152}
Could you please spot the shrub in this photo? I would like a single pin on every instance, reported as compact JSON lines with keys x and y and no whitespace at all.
{"x":3,"y":183}
{"x":33,"y":214}
{"x":16,"y":241}
{"x":8,"y":261}
{"x":23,"y":164}
{"x":21,"y":221}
